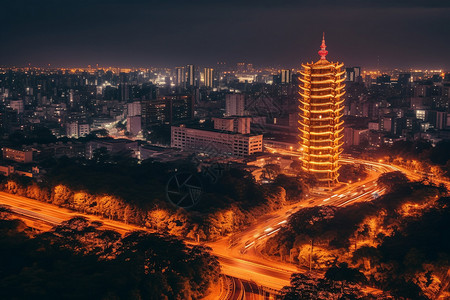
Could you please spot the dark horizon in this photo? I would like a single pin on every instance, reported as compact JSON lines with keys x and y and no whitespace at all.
{"x":137,"y":33}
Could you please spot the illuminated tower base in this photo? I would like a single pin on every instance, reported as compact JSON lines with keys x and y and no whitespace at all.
{"x":320,"y":124}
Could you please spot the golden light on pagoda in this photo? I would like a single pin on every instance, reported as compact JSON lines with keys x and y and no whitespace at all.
{"x":320,"y":110}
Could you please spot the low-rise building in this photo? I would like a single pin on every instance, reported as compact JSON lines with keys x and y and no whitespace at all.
{"x":215,"y":142}
{"x":113,"y":146}
{"x":21,"y":156}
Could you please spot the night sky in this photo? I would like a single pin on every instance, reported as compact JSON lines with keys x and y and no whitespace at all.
{"x":138,"y":33}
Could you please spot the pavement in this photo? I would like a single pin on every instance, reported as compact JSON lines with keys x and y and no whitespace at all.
{"x":253,"y":276}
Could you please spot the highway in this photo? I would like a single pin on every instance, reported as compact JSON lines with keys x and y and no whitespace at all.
{"x":239,"y":256}
{"x":345,"y":194}
{"x":54,"y":215}
{"x":244,"y":247}
{"x":239,"y":289}
{"x":43,"y":216}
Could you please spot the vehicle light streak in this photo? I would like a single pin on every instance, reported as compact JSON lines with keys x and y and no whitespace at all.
{"x":249,"y":245}
{"x":275,"y":231}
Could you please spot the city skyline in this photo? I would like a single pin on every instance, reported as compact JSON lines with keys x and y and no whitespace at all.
{"x":139,"y":33}
{"x":288,"y":149}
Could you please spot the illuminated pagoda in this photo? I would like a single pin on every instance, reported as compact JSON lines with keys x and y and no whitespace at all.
{"x":320,"y":124}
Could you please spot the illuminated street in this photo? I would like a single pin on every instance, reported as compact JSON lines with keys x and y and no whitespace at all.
{"x":241,"y":258}
{"x":232,"y":150}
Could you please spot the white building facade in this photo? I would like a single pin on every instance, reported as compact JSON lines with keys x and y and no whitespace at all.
{"x":216,"y":142}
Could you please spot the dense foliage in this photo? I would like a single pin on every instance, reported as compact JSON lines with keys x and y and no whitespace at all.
{"x":399,"y":241}
{"x":324,"y":288}
{"x":77,"y":260}
{"x":120,"y":188}
{"x":393,"y":181}
{"x":352,"y":173}
{"x":419,"y":155}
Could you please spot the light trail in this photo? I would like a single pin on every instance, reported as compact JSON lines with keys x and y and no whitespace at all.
{"x":275,"y":231}
{"x":261,"y":273}
{"x":249,"y":265}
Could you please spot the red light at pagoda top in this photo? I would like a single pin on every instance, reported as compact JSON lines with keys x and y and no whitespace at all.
{"x":322,"y":52}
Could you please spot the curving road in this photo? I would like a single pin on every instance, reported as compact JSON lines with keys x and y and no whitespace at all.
{"x":240,"y":289}
{"x":252,"y":275}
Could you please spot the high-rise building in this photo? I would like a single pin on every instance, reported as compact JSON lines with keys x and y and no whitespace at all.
{"x":384,"y":79}
{"x":134,"y":124}
{"x":209,"y":77}
{"x":240,"y":67}
{"x":286,"y":76}
{"x":168,"y":109}
{"x":154,"y":112}
{"x":83,"y":129}
{"x":180,"y":77}
{"x":437,"y":119}
{"x":352,"y":74}
{"x":72,"y":129}
{"x":76,"y":129}
{"x":234,"y":104}
{"x":387,"y":123}
{"x":124,"y":90}
{"x":190,"y":75}
{"x":404,"y":79}
{"x":134,"y":109}
{"x":320,"y":124}
{"x":17,"y":105}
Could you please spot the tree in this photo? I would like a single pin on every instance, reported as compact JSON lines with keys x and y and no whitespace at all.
{"x":121,"y":126}
{"x":352,"y":172}
{"x":5,"y":212}
{"x":307,"y":287}
{"x":440,"y":153}
{"x":271,"y":171}
{"x":344,"y":273}
{"x":62,"y":195}
{"x":294,"y":186}
{"x":367,"y":255}
{"x":296,"y":165}
{"x":78,"y":260}
{"x":99,"y":133}
{"x":393,"y":181}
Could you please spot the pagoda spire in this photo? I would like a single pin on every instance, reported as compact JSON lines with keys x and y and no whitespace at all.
{"x":323,"y":52}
